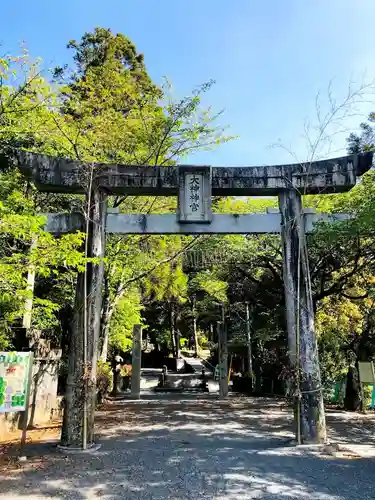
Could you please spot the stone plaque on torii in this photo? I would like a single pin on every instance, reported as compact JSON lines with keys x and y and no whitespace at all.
{"x":194,"y":187}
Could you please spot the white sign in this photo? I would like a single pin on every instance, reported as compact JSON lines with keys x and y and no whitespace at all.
{"x":194,"y":207}
{"x":366,"y":372}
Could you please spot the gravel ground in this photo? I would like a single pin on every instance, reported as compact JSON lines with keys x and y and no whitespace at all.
{"x":196,"y":449}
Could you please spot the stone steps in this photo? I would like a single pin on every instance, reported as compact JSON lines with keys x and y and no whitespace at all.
{"x":197,"y":365}
{"x":177,"y":382}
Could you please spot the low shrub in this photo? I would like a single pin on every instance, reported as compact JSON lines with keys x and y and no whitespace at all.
{"x":104,"y":381}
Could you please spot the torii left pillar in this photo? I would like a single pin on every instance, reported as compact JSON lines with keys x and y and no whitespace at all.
{"x":80,"y":399}
{"x":302,"y":342}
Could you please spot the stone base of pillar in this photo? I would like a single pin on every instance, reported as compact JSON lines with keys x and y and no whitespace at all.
{"x":71,"y":450}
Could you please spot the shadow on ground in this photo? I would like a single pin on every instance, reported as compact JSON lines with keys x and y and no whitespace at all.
{"x":196,"y":448}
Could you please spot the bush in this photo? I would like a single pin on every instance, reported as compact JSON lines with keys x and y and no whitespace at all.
{"x":183,"y":342}
{"x":367,"y":393}
{"x":202,"y":341}
{"x":104,"y":382}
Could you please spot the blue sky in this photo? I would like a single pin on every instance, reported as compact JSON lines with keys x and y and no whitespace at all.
{"x":269,"y":58}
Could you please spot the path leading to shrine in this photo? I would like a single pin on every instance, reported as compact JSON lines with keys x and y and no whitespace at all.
{"x":200,"y":448}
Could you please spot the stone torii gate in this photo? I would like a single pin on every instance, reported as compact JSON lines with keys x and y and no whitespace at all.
{"x":194,"y":186}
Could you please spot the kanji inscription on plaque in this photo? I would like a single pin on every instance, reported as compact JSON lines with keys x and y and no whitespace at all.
{"x":194,"y":194}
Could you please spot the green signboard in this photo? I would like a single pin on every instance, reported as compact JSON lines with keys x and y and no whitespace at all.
{"x":15,"y":375}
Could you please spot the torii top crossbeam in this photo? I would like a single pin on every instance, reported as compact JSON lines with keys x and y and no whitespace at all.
{"x":54,"y":174}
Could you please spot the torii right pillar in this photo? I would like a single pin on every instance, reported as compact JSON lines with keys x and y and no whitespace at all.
{"x":302,"y":343}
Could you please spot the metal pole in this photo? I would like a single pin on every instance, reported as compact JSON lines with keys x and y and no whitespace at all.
{"x":136,"y":362}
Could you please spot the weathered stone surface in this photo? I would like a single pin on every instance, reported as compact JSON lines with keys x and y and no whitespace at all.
{"x":302,"y":343}
{"x":81,"y":382}
{"x":64,"y":223}
{"x":136,"y":362}
{"x":326,"y":176}
{"x":194,"y":195}
{"x":169,"y":224}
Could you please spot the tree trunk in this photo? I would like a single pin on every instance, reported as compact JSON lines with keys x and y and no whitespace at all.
{"x":248,"y":338}
{"x":104,"y":320}
{"x":172,"y":326}
{"x":223,"y":360}
{"x":195,"y":335}
{"x":105,"y":342}
{"x":107,"y":310}
{"x":115,"y":377}
{"x":30,"y":288}
{"x":178,"y":347}
{"x":352,"y":401}
{"x":303,"y":349}
{"x":81,"y":384}
{"x":176,"y":332}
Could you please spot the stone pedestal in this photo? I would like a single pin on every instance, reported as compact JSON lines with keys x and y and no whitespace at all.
{"x":136,"y":362}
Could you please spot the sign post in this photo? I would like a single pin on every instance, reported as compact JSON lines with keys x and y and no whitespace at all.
{"x":15,"y":383}
{"x":366,"y":376}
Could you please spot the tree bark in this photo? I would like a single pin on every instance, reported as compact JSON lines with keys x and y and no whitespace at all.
{"x":81,"y":384}
{"x":106,"y":314}
{"x":172,"y":326}
{"x":30,"y":287}
{"x":175,"y":332}
{"x":303,"y":349}
{"x":108,"y":309}
{"x":195,"y":335}
{"x":223,"y":360}
{"x":105,"y":342}
{"x":248,"y":338}
{"x":352,"y":401}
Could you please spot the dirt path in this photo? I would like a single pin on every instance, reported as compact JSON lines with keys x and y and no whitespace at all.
{"x":197,"y":449}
